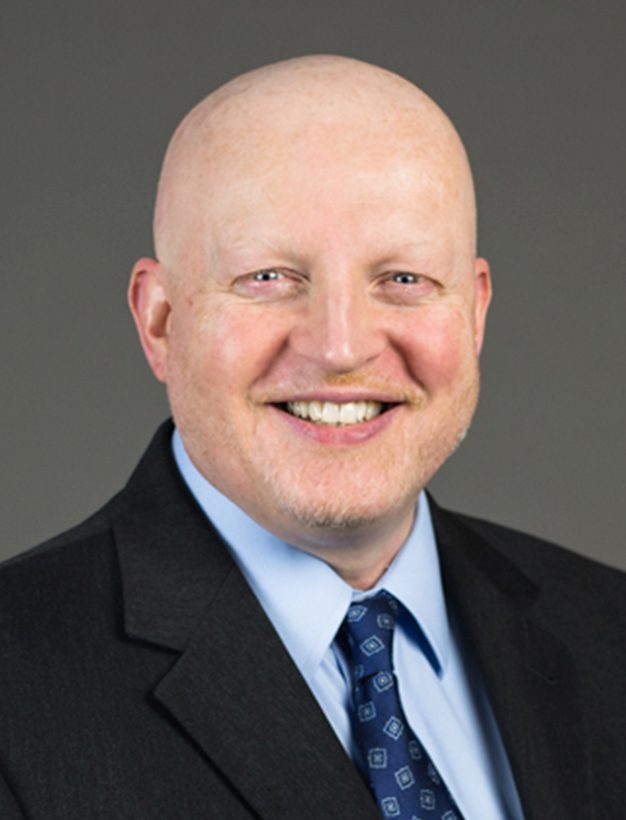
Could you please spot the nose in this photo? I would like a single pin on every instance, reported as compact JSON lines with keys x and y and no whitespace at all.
{"x":341,"y":330}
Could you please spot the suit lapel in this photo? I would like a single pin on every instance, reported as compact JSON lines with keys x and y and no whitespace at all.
{"x":528,"y":673}
{"x":234,"y":689}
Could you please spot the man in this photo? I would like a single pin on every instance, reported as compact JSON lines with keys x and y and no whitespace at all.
{"x":272,"y":620}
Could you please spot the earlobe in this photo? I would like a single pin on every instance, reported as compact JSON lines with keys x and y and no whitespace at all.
{"x":149,"y":304}
{"x":483,"y":293}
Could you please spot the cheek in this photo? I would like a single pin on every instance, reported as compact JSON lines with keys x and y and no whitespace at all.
{"x":440,"y":346}
{"x":229,"y":347}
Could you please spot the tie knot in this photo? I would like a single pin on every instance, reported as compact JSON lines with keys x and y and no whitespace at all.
{"x":368,"y":634}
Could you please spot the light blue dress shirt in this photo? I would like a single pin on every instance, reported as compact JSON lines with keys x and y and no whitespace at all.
{"x":441,"y":693}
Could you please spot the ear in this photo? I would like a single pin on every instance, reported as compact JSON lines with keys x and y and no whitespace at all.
{"x":483,"y":292}
{"x":148,"y":299}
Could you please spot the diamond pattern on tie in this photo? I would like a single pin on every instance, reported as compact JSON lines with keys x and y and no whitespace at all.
{"x":402,"y":777}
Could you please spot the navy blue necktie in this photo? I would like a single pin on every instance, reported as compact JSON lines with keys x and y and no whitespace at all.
{"x":403,"y":779}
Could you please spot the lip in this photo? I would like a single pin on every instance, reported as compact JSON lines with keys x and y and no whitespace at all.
{"x":339,"y":435}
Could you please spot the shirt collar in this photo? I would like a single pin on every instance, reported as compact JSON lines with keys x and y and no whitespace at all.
{"x":304,"y":598}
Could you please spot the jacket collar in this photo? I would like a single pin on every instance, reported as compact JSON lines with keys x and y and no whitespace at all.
{"x":172,"y":560}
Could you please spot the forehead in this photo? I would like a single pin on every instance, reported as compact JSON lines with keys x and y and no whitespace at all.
{"x":310,"y":184}
{"x":322,"y":211}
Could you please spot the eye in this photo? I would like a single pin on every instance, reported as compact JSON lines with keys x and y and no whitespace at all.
{"x":406,"y":288}
{"x":403,"y":278}
{"x":269,"y":275}
{"x":268,"y":284}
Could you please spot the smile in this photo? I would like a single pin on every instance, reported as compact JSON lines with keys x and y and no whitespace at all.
{"x":336,"y":415}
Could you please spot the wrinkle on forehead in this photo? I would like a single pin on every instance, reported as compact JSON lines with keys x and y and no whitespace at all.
{"x":307,"y":111}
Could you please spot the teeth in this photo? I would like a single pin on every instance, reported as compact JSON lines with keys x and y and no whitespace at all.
{"x":330,"y":413}
{"x":352,"y":412}
{"x":314,"y":410}
{"x":347,"y":414}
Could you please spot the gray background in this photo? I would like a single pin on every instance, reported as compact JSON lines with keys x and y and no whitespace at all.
{"x":89,"y":95}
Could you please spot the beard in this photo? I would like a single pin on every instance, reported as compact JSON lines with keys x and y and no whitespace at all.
{"x":349,"y":492}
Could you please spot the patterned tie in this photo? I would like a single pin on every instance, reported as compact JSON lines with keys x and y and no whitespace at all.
{"x":402,"y":777}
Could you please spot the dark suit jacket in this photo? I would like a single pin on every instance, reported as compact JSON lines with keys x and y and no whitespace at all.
{"x":139,"y":677}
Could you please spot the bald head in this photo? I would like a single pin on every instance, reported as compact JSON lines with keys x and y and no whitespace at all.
{"x":309,"y":111}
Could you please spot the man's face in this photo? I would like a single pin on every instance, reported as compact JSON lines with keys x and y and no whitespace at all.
{"x":326,"y":316}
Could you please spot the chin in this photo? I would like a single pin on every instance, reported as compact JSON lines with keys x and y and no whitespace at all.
{"x":333,"y":517}
{"x":347,"y":503}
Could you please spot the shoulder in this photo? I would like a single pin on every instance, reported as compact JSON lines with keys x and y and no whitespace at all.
{"x":95,"y":524}
{"x":56,"y":586}
{"x":567,"y":587}
{"x":536,"y":556}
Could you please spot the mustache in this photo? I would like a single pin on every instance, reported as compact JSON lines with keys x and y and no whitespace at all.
{"x":397,"y":393}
